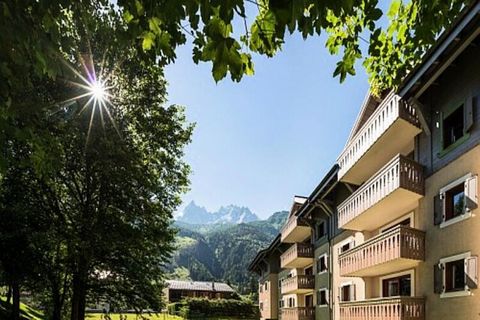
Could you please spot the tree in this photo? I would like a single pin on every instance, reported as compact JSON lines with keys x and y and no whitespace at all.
{"x":35,"y":34}
{"x":107,"y":177}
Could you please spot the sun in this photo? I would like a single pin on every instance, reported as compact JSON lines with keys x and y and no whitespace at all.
{"x":98,"y":91}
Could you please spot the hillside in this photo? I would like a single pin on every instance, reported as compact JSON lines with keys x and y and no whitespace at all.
{"x":222,"y":251}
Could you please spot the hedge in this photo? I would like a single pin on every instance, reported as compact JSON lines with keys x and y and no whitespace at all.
{"x":201,"y":308}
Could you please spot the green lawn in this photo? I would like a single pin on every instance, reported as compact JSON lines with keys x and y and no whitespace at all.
{"x":100,"y":316}
{"x":26,"y":311}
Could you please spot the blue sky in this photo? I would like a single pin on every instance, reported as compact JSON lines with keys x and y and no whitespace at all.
{"x":271,"y":136}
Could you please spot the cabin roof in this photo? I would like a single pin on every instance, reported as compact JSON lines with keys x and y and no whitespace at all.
{"x":199,"y":286}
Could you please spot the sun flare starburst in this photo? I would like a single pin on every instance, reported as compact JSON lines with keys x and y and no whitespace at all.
{"x":94,"y":90}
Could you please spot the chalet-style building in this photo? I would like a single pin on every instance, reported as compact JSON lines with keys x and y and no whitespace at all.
{"x":176,"y":290}
{"x":393,"y":230}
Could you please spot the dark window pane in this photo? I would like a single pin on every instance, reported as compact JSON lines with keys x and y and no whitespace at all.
{"x":453,"y":127}
{"x":455,"y":276}
{"x":455,"y":202}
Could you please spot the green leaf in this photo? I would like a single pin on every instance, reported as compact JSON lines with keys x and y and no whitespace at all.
{"x":127,"y":16}
{"x":394,"y":7}
{"x":148,"y":40}
{"x":154,"y":25}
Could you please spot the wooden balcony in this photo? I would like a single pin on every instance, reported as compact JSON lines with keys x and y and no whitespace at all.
{"x":300,"y":284}
{"x":398,"y":249}
{"x":388,"y":195}
{"x":299,"y":255}
{"x":392,"y":308}
{"x":299,"y":313}
{"x":295,"y":230}
{"x":389,"y":130}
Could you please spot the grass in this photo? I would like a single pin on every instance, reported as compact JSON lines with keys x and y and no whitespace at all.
{"x":159,"y":316}
{"x":26,"y":312}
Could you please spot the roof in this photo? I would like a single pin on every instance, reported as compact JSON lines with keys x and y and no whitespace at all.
{"x":199,"y":286}
{"x":262,"y":253}
{"x":448,"y":46}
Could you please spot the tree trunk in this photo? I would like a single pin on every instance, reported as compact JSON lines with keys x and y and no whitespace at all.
{"x":78,"y":296}
{"x":9,"y":294}
{"x":16,"y":300}
{"x":57,"y":306}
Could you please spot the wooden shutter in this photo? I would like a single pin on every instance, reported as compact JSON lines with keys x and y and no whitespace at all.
{"x":471,"y":272}
{"x":438,"y":278}
{"x":471,"y":198}
{"x":468,"y":114}
{"x":438,"y":209}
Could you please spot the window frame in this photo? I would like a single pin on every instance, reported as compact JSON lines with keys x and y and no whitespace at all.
{"x":324,"y":256}
{"x":399,"y":274}
{"x":351,"y":292}
{"x":460,"y":293}
{"x":466,"y":214}
{"x":325,"y":231}
{"x":466,"y":133}
{"x":326,"y":298}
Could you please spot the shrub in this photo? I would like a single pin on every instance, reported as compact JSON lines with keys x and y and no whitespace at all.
{"x":201,"y":308}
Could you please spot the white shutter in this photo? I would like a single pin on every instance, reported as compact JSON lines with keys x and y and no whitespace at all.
{"x":471,"y":272}
{"x":353,"y":293}
{"x":471,"y":196}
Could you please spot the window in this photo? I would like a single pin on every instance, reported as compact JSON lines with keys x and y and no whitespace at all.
{"x":456,"y":276}
{"x":266,"y":286}
{"x":397,"y":286}
{"x":309,"y":300}
{"x":406,"y":222}
{"x":456,"y":124}
{"x":322,"y":263}
{"x":456,"y":201}
{"x":349,"y":244}
{"x":308,"y":271}
{"x":280,"y":303}
{"x":320,"y":230}
{"x":347,"y":292}
{"x":453,"y":127}
{"x":261,"y":306}
{"x":322,"y":297}
{"x":291,"y":302}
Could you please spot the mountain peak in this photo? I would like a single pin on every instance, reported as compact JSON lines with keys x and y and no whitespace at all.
{"x":231,"y":214}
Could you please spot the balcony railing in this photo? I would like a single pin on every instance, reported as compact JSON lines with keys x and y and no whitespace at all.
{"x":298,"y":284}
{"x":398,"y":185}
{"x":297,"y":256}
{"x":295,"y":230}
{"x":299,"y":313}
{"x":394,"y":116}
{"x":394,"y":308}
{"x":392,"y":251}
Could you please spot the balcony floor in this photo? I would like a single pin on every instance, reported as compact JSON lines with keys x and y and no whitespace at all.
{"x":401,"y":132}
{"x":297,"y":234}
{"x":298,"y":263}
{"x":391,"y":207}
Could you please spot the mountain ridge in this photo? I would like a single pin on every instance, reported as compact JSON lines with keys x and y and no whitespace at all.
{"x":230,"y":214}
{"x":222,"y":251}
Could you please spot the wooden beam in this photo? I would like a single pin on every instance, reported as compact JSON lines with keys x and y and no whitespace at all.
{"x":421,"y":111}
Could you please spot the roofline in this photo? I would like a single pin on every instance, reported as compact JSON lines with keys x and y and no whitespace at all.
{"x":331,"y":174}
{"x":432,"y":54}
{"x":262,"y":253}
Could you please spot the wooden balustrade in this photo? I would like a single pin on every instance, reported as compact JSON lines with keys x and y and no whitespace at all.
{"x":399,"y":243}
{"x":297,"y":251}
{"x":400,"y":172}
{"x":391,"y":109}
{"x":298,"y":283}
{"x":298,"y":313}
{"x":392,"y":308}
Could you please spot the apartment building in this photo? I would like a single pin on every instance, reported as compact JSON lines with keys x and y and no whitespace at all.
{"x":393,"y":229}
